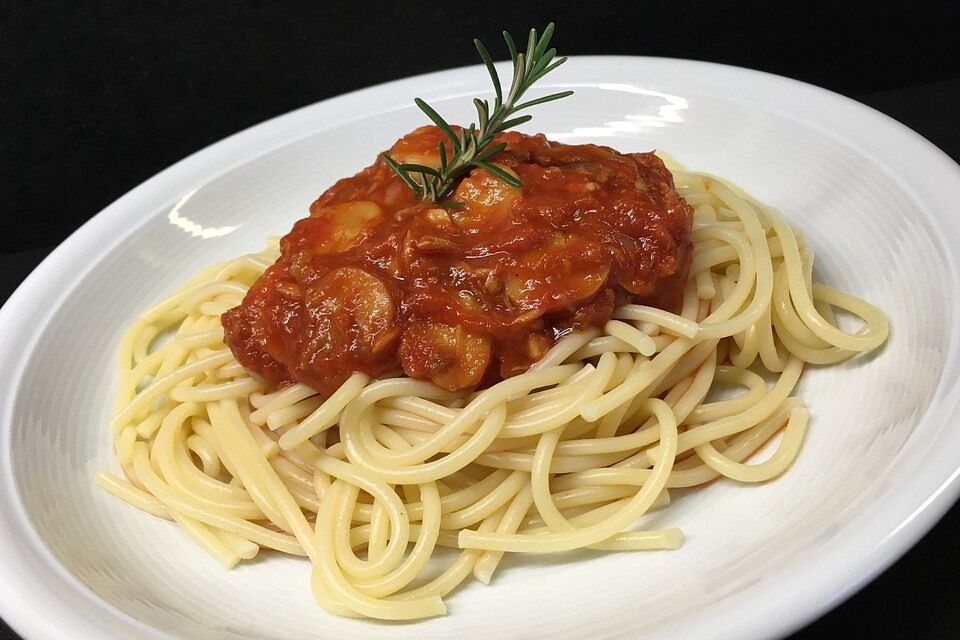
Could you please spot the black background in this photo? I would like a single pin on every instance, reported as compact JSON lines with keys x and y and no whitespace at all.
{"x":97,"y":97}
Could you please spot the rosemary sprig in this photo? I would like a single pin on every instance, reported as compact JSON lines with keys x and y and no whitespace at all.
{"x":471,"y":147}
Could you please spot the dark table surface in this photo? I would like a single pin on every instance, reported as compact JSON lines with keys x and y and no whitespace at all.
{"x":97,"y":97}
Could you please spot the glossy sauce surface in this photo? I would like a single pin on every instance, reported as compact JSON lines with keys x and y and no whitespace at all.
{"x":375,"y":280}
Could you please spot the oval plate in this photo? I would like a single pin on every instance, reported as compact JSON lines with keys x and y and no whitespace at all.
{"x":879,"y":466}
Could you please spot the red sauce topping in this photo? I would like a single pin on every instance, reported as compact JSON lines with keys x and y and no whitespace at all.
{"x":375,"y":280}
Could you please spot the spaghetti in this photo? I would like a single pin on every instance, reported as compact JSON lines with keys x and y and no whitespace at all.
{"x":370,"y":480}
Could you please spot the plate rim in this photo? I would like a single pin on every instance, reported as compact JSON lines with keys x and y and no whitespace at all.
{"x":31,"y":608}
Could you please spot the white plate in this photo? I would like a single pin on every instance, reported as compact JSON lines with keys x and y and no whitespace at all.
{"x":878,"y":468}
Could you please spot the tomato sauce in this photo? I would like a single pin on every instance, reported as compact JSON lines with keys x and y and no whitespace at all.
{"x":375,"y":280}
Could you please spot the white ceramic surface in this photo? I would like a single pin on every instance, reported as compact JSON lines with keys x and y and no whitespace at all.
{"x":878,"y":468}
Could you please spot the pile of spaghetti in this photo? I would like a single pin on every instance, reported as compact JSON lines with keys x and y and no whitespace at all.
{"x":369,"y":481}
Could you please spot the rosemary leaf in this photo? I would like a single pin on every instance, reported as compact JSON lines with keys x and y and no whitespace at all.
{"x":511,"y":47}
{"x":442,"y":152}
{"x":531,"y":49}
{"x":515,"y":122}
{"x":419,"y":168}
{"x":491,"y":69}
{"x":544,"y":40}
{"x":482,"y":113}
{"x":497,"y":171}
{"x":492,"y":151}
{"x":410,"y":182}
{"x":550,"y":98}
{"x":437,"y":119}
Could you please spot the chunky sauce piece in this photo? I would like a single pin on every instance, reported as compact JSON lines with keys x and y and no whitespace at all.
{"x":375,"y":280}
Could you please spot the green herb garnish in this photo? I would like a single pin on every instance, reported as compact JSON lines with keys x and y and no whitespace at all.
{"x":471,"y":146}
